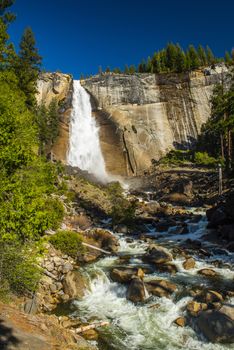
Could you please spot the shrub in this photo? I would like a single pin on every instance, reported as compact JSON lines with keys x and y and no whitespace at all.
{"x":68,"y":242}
{"x":203,"y":158}
{"x":19,"y":272}
{"x":176,"y":157}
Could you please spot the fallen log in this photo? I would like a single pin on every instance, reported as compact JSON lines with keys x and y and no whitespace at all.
{"x":96,"y":248}
{"x":91,"y":326}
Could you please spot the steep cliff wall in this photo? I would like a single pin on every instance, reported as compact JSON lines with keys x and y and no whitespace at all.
{"x":58,"y":86}
{"x":152,"y":114}
{"x":141,"y":116}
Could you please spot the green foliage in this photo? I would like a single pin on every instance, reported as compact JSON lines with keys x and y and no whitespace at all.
{"x":202,"y":158}
{"x":27,"y":67}
{"x":122,"y":211}
{"x":19,"y":273}
{"x":17,"y":132}
{"x":68,"y":242}
{"x":177,"y":157}
{"x":47,"y":120}
{"x":217,"y":133}
{"x":193,"y":57}
{"x":26,"y":206}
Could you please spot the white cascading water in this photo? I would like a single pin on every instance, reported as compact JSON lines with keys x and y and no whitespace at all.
{"x":84,"y":145}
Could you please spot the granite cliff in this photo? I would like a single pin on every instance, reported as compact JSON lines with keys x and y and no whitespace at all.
{"x":141,"y":116}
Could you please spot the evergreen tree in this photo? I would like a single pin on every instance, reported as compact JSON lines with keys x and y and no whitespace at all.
{"x":132,"y":69}
{"x":27,"y":67}
{"x":210,"y":56}
{"x":171,"y":54}
{"x":149,"y":66}
{"x":126,"y":69}
{"x":142,"y":67}
{"x":194,"y":62}
{"x":108,"y":69}
{"x":202,"y":55}
{"x":156,"y":63}
{"x":162,"y":55}
{"x":180,"y":63}
{"x":228,"y":59}
{"x":117,"y":70}
{"x":7,"y":52}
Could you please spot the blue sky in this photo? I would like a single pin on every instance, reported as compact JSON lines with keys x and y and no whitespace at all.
{"x":77,"y":36}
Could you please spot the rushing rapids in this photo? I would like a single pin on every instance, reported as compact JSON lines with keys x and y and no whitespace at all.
{"x":84,"y":145}
{"x":150,"y":325}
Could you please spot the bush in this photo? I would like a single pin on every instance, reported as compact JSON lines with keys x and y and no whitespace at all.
{"x":203,"y":158}
{"x":68,"y":242}
{"x":19,"y":272}
{"x":177,"y":157}
{"x":123,"y":211}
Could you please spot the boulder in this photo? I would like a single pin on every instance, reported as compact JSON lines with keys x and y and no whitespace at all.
{"x":168,"y":268}
{"x":217,"y":325}
{"x":136,"y":291}
{"x":74,"y":284}
{"x":122,"y":275}
{"x":189,"y":264}
{"x":160,"y":288}
{"x":208,"y":273}
{"x":211,"y":296}
{"x":158,"y":255}
{"x":193,"y":307}
{"x":180,"y":321}
{"x":217,"y":216}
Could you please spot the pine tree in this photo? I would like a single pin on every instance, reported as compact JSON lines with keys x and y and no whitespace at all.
{"x":7,"y":52}
{"x":202,"y":55}
{"x":180,"y":63}
{"x":117,"y":70}
{"x":156,"y":63}
{"x":132,"y":69}
{"x":149,"y":66}
{"x":228,"y":59}
{"x":27,"y":67}
{"x":210,"y":56}
{"x":171,"y":53}
{"x":126,"y":69}
{"x":193,"y":56}
{"x":142,"y":67}
{"x":108,"y":69}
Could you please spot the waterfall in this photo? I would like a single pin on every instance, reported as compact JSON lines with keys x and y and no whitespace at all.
{"x":84,"y":145}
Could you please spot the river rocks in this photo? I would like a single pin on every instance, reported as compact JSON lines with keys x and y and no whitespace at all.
{"x":157,"y":254}
{"x":160,"y":288}
{"x":168,"y":268}
{"x":189,"y":264}
{"x":180,"y":321}
{"x":217,"y":325}
{"x":211,"y":296}
{"x":193,"y":307}
{"x":208,"y":273}
{"x":74,"y":284}
{"x":136,"y":291}
{"x":101,"y":239}
{"x":123,"y":275}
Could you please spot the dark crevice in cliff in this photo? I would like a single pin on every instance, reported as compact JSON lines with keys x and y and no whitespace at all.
{"x":128,"y":155}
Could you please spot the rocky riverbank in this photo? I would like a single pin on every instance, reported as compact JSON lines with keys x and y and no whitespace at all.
{"x":157,"y":270}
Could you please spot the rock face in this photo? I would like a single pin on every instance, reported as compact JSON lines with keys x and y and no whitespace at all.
{"x":150,"y":114}
{"x":141,"y":116}
{"x":58,"y":86}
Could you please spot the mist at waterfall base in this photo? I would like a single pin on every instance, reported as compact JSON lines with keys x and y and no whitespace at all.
{"x":84,"y":145}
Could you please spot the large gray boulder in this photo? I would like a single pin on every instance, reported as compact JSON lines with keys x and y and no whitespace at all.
{"x":217,"y":325}
{"x":158,"y":255}
{"x":136,"y":290}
